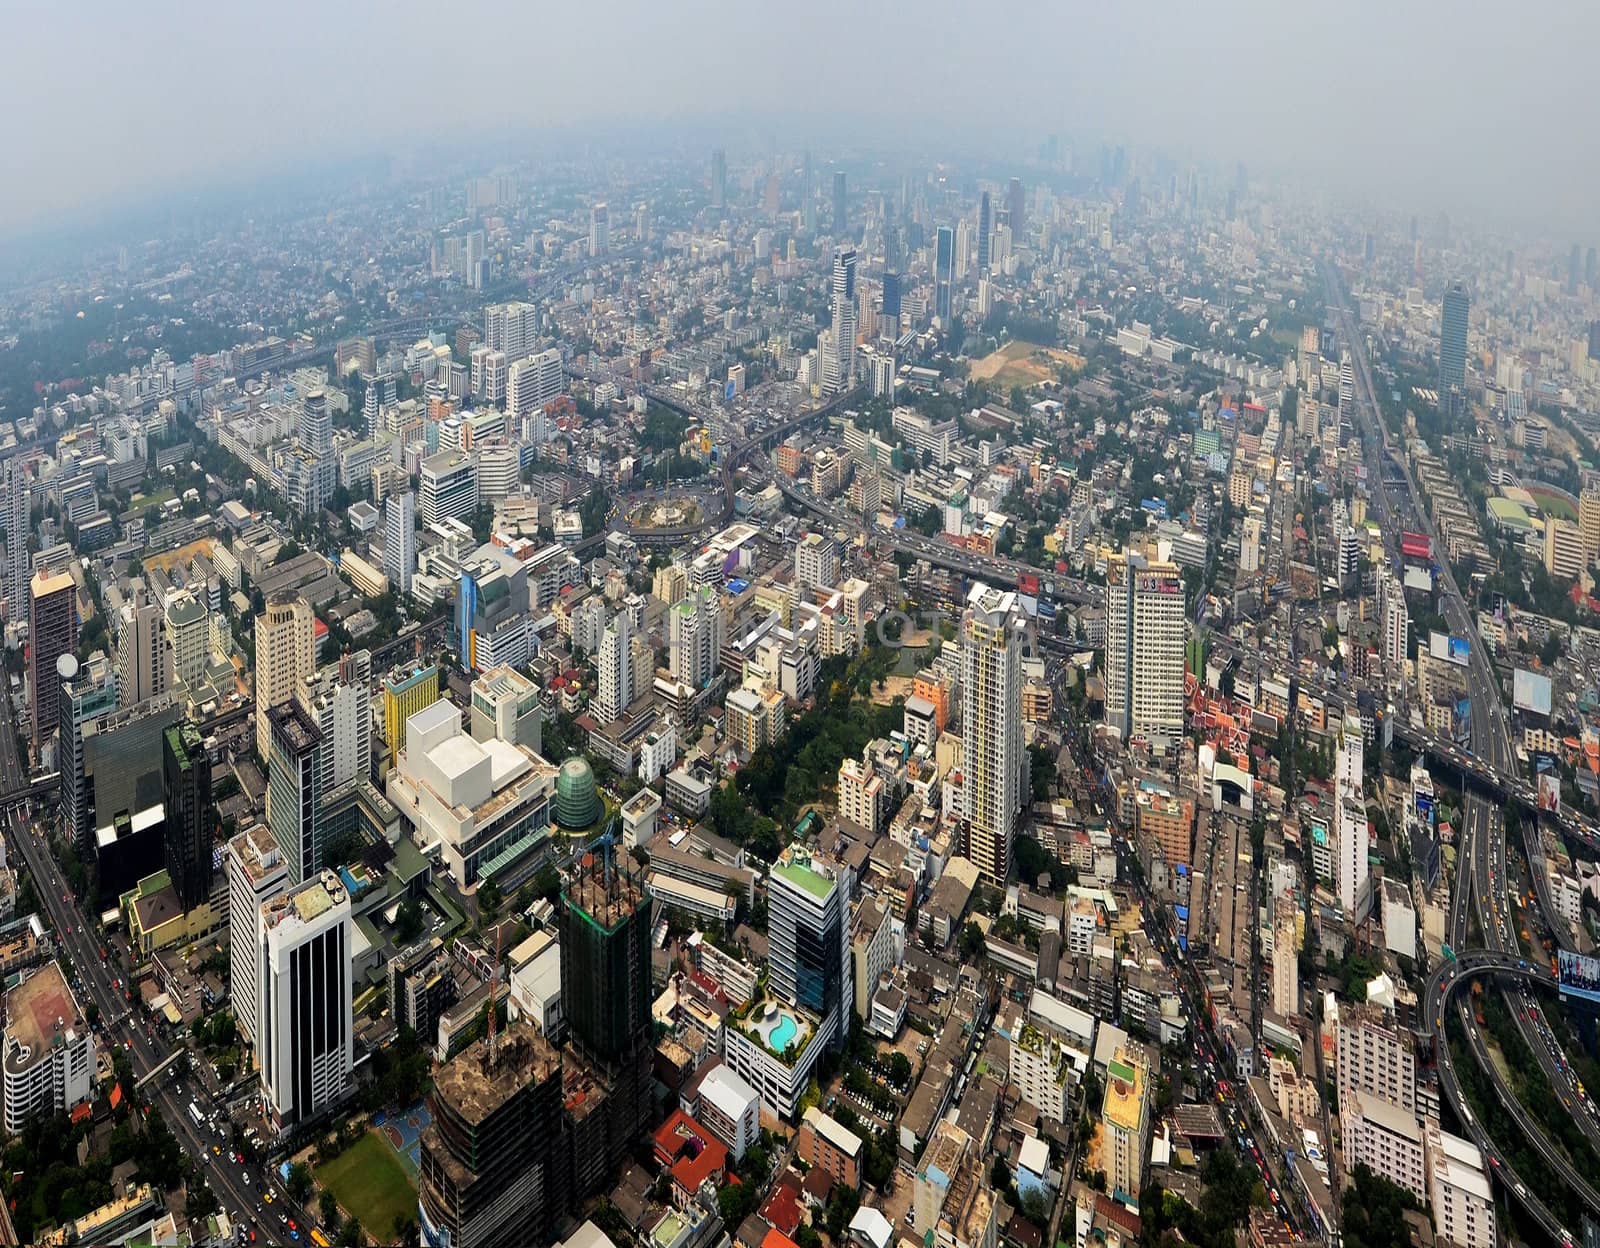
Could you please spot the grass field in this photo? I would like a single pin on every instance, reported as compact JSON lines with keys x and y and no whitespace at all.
{"x":371,"y":1185}
{"x":1023,"y":364}
{"x":1553,"y":505}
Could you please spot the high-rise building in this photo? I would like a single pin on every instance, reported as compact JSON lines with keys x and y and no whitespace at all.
{"x":1125,"y":1118}
{"x":256,"y":871}
{"x":891,"y":304}
{"x":615,"y":661}
{"x":337,"y":700}
{"x":944,"y":269}
{"x":1375,"y":1057}
{"x":492,"y":1162}
{"x":88,"y":694}
{"x":1285,"y":961}
{"x":838,"y":370}
{"x":187,"y":627}
{"x":186,"y":788}
{"x":19,"y":524}
{"x":294,"y":789}
{"x":316,"y":423}
{"x":840,"y":205}
{"x":1393,"y":618}
{"x":52,"y":632}
{"x":1352,"y":865}
{"x":719,"y":179}
{"x":1016,"y":206}
{"x":695,"y":630}
{"x":144,"y":660}
{"x":449,"y":487}
{"x":306,"y":1041}
{"x":49,"y":1048}
{"x":1459,"y":1190}
{"x":1347,"y":386}
{"x":993,"y":758}
{"x":816,"y":561}
{"x":533,"y":383}
{"x":1589,"y":525}
{"x":1453,"y":348}
{"x":406,"y":690}
{"x":1145,"y":632}
{"x":285,"y":655}
{"x":511,"y":328}
{"x":808,"y":926}
{"x":400,"y":540}
{"x":599,"y":229}
{"x":985,"y":232}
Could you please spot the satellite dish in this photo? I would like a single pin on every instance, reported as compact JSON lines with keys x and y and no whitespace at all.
{"x":67,"y":667}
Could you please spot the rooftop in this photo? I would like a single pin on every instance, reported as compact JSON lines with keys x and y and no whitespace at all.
{"x":804,"y":878}
{"x":1124,"y":1101}
{"x":474,"y":1089}
{"x":40,"y":1012}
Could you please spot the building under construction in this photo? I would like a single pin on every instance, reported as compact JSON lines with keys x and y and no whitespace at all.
{"x":492,"y":1170}
{"x":605,"y":994}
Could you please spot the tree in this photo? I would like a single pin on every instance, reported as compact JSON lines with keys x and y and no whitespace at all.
{"x":1372,"y":1211}
{"x":351,"y":1234}
{"x":900,"y":1068}
{"x":299,"y":1182}
{"x":999,"y":1175}
{"x":328,"y":1207}
{"x":408,"y":921}
{"x":973,"y":945}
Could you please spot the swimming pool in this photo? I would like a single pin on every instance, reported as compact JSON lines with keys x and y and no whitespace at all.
{"x":782,"y":1033}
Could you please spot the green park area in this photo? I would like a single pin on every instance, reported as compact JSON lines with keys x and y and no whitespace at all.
{"x":371,"y":1184}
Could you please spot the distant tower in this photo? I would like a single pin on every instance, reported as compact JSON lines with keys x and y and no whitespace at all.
{"x":1017,"y":206}
{"x":186,"y":792}
{"x":316,"y":424}
{"x":599,"y":229}
{"x":944,"y":271}
{"x":838,"y":372}
{"x":719,"y":179}
{"x":19,"y":522}
{"x":840,"y":219}
{"x":400,"y":541}
{"x":52,"y":632}
{"x":1453,"y":349}
{"x":985,"y":232}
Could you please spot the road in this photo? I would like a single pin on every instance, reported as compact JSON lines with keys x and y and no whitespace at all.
{"x":1481,"y":849}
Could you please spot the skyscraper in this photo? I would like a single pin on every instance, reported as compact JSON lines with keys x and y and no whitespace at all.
{"x":256,"y":872}
{"x":808,"y":924}
{"x":511,"y":328}
{"x":294,"y":788}
{"x":400,"y":541}
{"x":492,"y":1162}
{"x":186,"y":788}
{"x":615,"y":661}
{"x":144,"y":660}
{"x":316,"y":422}
{"x":19,"y":523}
{"x":1016,"y":206}
{"x":1145,"y":633}
{"x":695,"y":631}
{"x":891,"y":304}
{"x":1353,"y":865}
{"x":993,"y":758}
{"x":87,"y":695}
{"x":52,"y":632}
{"x":840,"y":205}
{"x":306,"y":1041}
{"x":599,"y":229}
{"x":838,"y":371}
{"x":719,"y":179}
{"x":338,"y":701}
{"x":944,"y":271}
{"x":285,"y":655}
{"x":985,"y":232}
{"x":1453,"y":349}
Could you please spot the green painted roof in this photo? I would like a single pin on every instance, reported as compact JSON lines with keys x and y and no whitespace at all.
{"x":804,"y":878}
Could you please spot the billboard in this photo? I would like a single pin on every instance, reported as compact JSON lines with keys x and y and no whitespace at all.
{"x":1425,"y":808}
{"x":1579,"y":976}
{"x":1416,"y":546}
{"x":1449,"y":649}
{"x":1547,"y":775}
{"x":1530,"y":692}
{"x":1461,"y":722}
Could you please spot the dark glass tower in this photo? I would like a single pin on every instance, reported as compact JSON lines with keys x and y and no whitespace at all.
{"x":1453,"y":348}
{"x":186,"y":790}
{"x":944,"y":272}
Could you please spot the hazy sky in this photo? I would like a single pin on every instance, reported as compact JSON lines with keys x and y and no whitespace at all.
{"x":1483,"y":109}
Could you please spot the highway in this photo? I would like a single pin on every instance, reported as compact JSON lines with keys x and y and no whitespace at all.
{"x":1481,"y":849}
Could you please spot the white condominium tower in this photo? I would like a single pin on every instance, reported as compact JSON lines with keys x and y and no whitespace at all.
{"x":615,"y":661}
{"x":838,"y":369}
{"x":1145,"y":631}
{"x":993,"y":759}
{"x":512,"y":328}
{"x":400,"y":541}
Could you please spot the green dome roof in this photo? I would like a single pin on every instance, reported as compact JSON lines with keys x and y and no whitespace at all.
{"x":577,"y":800}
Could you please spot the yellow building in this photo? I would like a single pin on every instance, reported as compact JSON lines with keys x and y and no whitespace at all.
{"x":1126,"y":1119}
{"x":370,"y":582}
{"x":406,"y":690}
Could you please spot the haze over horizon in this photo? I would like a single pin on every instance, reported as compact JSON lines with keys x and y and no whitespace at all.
{"x":1423,"y":107}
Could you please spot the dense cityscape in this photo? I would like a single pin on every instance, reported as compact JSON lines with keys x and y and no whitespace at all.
{"x":786,"y":698}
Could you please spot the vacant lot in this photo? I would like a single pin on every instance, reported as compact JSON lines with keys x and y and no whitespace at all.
{"x":371,"y":1184}
{"x":1023,"y":364}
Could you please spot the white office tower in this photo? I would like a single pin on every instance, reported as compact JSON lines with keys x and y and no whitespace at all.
{"x":341,"y":708}
{"x":534,"y":382}
{"x":511,"y":328}
{"x":256,"y":870}
{"x":306,"y":1048}
{"x":316,"y":423}
{"x":1459,"y":1191}
{"x":1145,"y":630}
{"x":615,"y":661}
{"x":1347,"y":387}
{"x":188,"y":627}
{"x":599,"y":229}
{"x":816,"y":561}
{"x":694,"y":637}
{"x":993,"y":757}
{"x":285,"y":655}
{"x":400,"y":540}
{"x":1395,"y":620}
{"x":1250,"y":544}
{"x":1355,"y":879}
{"x":144,"y":660}
{"x":838,"y":366}
{"x":19,"y":524}
{"x":372,"y":411}
{"x":1349,"y":555}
